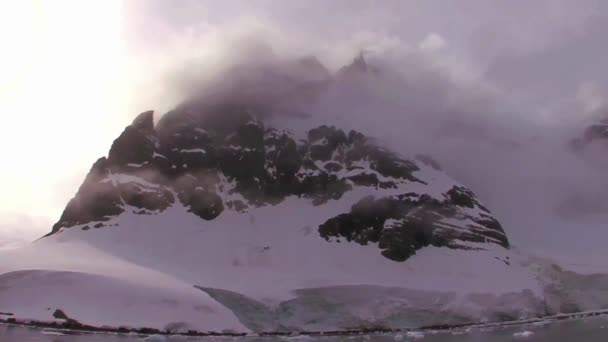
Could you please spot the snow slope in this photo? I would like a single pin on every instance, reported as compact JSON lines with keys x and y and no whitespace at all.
{"x":97,"y":289}
{"x":259,"y":271}
{"x":256,"y":272}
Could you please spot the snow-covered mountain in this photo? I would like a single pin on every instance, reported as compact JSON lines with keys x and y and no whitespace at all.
{"x":215,"y":219}
{"x":221,"y":164}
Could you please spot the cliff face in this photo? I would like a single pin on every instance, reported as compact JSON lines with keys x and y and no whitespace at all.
{"x":224,"y":158}
{"x":594,"y":133}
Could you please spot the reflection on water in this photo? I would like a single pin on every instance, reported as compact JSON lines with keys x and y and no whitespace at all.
{"x":580,"y":330}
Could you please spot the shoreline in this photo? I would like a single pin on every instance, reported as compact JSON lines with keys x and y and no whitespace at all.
{"x":73,"y":326}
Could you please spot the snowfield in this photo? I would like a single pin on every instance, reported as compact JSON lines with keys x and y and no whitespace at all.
{"x":257,"y":272}
{"x":109,"y":301}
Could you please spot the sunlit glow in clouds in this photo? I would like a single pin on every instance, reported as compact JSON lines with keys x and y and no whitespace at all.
{"x":64,"y":88}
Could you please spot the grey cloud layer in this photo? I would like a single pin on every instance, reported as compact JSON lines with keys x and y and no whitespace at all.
{"x":497,"y":105}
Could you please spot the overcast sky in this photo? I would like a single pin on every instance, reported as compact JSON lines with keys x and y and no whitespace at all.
{"x":75,"y":74}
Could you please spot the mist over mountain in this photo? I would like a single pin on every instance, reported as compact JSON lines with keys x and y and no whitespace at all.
{"x":517,"y":158}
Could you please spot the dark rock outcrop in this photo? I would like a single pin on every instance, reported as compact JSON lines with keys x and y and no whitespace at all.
{"x":58,"y":314}
{"x":596,"y":132}
{"x":402,"y":224}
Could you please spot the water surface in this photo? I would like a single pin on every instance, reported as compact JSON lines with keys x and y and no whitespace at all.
{"x":594,"y":329}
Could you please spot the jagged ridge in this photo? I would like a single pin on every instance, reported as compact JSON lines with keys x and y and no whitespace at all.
{"x":227,"y":159}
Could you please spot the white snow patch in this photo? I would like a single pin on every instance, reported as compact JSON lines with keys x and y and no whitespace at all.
{"x":52,"y":332}
{"x":137,"y":164}
{"x":523,"y":334}
{"x":415,"y":334}
{"x":121,"y":178}
{"x":193,"y":150}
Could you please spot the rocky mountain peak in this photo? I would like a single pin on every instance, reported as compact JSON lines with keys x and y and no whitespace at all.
{"x":359,"y":66}
{"x":594,"y":133}
{"x":210,"y":159}
{"x":144,"y":122}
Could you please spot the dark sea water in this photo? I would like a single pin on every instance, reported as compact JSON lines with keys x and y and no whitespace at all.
{"x":575,"y":330}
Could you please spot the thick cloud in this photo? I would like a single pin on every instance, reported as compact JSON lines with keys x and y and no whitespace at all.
{"x":489,"y":90}
{"x":540,"y":52}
